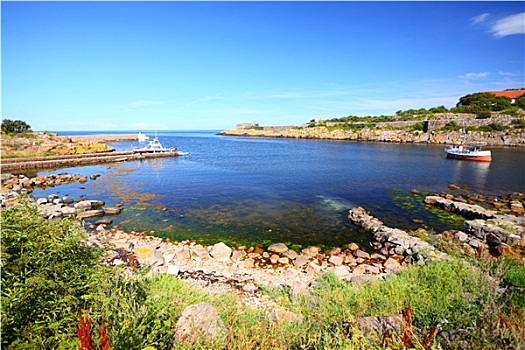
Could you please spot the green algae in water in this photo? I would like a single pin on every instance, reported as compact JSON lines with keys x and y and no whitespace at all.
{"x":434,"y":218}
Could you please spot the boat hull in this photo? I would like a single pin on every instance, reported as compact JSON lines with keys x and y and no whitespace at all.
{"x":480,"y":157}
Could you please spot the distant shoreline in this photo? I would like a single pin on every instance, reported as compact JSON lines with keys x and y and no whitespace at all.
{"x":490,"y":139}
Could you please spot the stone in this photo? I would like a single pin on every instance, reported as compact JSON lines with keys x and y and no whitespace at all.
{"x":391,"y":265}
{"x":90,"y":213}
{"x":237,"y":255}
{"x":200,"y":321}
{"x":311,"y":251}
{"x":168,"y":257}
{"x":290,"y":254}
{"x":249,"y":287}
{"x":68,"y":211}
{"x":41,"y":201}
{"x":104,"y":221}
{"x":248,"y":263}
{"x":85,"y":205}
{"x":379,"y":325}
{"x":173,"y":270}
{"x":374,"y":270}
{"x":358,"y":270}
{"x":283,"y":260}
{"x":112,"y":210}
{"x":461,"y":236}
{"x":337,"y":260}
{"x":277,"y":248}
{"x":342,"y":271}
{"x":314,"y":269}
{"x":362,"y":254}
{"x":377,"y":256}
{"x":201,"y":253}
{"x":183,"y":254}
{"x":220,"y":252}
{"x":301,"y":260}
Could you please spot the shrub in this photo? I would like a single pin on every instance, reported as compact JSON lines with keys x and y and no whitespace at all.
{"x":48,"y":277}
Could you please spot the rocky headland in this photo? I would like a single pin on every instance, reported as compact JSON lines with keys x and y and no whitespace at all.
{"x":468,"y":127}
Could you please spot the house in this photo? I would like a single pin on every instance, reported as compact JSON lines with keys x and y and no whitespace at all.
{"x":512,"y":94}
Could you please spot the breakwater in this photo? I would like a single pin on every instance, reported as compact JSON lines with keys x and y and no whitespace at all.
{"x":51,"y":162}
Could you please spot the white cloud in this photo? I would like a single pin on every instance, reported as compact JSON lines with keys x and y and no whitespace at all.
{"x":480,"y":18}
{"x":474,"y":75}
{"x":509,"y":25}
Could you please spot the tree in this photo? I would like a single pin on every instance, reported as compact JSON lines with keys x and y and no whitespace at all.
{"x":439,"y":109}
{"x":483,"y":101}
{"x":520,"y":102}
{"x":17,"y":126}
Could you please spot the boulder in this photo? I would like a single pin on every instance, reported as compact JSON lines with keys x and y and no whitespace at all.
{"x":85,"y":205}
{"x":200,"y":322}
{"x":90,"y":214}
{"x":301,"y":260}
{"x":220,"y":252}
{"x":337,"y":260}
{"x":112,"y":210}
{"x":278,"y":248}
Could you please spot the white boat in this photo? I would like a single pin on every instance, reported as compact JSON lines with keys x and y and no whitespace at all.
{"x":459,"y":150}
{"x":142,"y":137}
{"x":155,"y":146}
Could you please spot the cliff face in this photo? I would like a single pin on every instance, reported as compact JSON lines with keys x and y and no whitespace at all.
{"x":400,"y":131}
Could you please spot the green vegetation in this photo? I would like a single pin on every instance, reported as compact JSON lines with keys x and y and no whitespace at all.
{"x":50,"y":275}
{"x":17,"y":126}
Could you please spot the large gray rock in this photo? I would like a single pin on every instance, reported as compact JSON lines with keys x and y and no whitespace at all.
{"x":200,"y":322}
{"x":220,"y":252}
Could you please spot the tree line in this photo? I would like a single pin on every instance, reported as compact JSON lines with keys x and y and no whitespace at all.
{"x":14,"y":126}
{"x":480,"y":103}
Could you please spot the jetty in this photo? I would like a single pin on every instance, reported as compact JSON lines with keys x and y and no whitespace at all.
{"x":71,"y":160}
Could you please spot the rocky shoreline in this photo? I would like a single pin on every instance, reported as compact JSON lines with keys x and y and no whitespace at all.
{"x":244,"y":270}
{"x":468,"y":127}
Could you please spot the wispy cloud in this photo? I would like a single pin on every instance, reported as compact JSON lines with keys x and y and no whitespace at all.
{"x":480,"y":18}
{"x":479,"y":75}
{"x":514,"y":24}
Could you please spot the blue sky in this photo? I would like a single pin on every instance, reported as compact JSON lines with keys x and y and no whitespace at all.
{"x":209,"y":65}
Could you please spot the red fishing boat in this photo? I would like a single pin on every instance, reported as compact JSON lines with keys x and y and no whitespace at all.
{"x":459,"y":150}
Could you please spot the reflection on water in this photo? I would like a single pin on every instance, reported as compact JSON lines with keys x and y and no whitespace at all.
{"x":470,"y":172}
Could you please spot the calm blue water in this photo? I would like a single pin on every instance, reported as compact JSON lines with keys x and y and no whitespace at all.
{"x":294,"y":191}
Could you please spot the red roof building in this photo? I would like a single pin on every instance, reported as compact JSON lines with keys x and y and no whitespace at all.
{"x":512,"y":94}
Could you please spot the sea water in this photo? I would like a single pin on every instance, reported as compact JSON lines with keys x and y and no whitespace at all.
{"x":251,"y":189}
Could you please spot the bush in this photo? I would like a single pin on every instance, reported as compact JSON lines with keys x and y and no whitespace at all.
{"x":17,"y":126}
{"x":519,"y":123}
{"x":48,"y":276}
{"x":492,"y":127}
{"x":451,"y":125}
